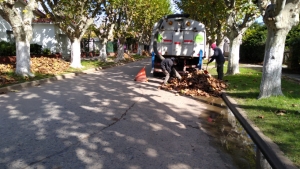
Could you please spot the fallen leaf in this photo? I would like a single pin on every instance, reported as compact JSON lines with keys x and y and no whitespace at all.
{"x":281,"y":111}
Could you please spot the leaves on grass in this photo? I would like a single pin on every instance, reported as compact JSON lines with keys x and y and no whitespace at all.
{"x":197,"y":83}
{"x":280,"y":112}
{"x":4,"y":68}
{"x":45,"y":65}
{"x":146,"y":53}
{"x":128,"y":57}
{"x":6,"y":79}
{"x":42,"y":65}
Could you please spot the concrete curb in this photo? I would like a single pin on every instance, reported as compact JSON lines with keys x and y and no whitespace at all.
{"x":19,"y":86}
{"x":287,"y":162}
{"x":291,"y":77}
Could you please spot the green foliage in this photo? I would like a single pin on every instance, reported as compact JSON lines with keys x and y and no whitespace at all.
{"x":73,"y":17}
{"x":292,"y":43}
{"x":292,"y":36}
{"x":46,"y":51}
{"x":146,"y":14}
{"x":220,"y":17}
{"x":253,"y":47}
{"x":211,"y":13}
{"x":294,"y":58}
{"x":7,"y":49}
{"x":35,"y":49}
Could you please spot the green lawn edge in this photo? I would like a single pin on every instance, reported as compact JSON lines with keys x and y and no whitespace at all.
{"x":282,"y":128}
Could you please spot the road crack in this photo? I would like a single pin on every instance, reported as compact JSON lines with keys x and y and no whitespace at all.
{"x":84,"y":138}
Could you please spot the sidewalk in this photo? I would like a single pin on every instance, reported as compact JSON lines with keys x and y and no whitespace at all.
{"x":292,"y":76}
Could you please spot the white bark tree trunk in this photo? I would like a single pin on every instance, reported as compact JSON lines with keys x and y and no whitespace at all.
{"x":120,"y":55}
{"x":22,"y":29}
{"x":234,"y":55}
{"x":279,"y":18}
{"x":140,"y":49}
{"x":221,"y":45}
{"x":271,"y":79}
{"x":75,"y":54}
{"x":105,"y":36}
{"x":23,"y":59}
{"x":103,"y":54}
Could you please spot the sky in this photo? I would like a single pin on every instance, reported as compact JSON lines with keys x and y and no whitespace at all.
{"x":173,"y":7}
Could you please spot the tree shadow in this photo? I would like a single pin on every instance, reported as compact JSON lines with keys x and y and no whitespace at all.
{"x":103,"y":120}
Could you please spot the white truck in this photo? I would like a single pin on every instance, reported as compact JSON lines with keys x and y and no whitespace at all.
{"x":179,"y":37}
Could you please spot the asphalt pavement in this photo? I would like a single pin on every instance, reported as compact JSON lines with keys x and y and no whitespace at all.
{"x":104,"y":119}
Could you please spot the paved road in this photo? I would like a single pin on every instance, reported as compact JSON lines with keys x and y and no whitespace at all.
{"x":105,"y":120}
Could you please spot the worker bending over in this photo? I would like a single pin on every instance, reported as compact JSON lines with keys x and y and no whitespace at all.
{"x":167,"y":66}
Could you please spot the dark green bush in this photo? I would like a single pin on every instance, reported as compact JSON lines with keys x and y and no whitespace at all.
{"x":253,"y":47}
{"x":293,"y":61}
{"x":292,"y":36}
{"x":46,"y":51}
{"x":292,"y":43}
{"x":7,"y":49}
{"x":35,"y":49}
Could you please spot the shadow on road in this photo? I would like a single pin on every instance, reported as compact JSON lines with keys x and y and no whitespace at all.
{"x":103,"y":120}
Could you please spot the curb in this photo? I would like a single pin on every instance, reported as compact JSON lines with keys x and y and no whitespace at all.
{"x":290,"y":77}
{"x":16,"y":87}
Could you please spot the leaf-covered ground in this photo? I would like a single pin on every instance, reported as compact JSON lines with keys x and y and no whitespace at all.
{"x":39,"y":65}
{"x":46,"y":65}
{"x":196,"y":83}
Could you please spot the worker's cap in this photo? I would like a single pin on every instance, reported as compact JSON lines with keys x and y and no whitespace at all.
{"x":172,"y":58}
{"x":213,"y":46}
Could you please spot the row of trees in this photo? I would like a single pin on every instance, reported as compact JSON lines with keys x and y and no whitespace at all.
{"x":119,"y":19}
{"x":232,"y":18}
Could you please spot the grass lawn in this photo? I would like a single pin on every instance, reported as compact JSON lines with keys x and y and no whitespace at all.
{"x":283,"y":128}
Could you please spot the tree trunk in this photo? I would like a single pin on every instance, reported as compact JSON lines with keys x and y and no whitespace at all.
{"x":140,"y":49}
{"x":75,"y":54}
{"x":221,"y":45}
{"x":22,"y":29}
{"x":23,"y":59}
{"x":120,"y":55}
{"x":234,"y":55}
{"x":103,"y":54}
{"x":271,"y":79}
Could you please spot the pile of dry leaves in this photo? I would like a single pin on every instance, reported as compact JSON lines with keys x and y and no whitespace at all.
{"x":197,"y":83}
{"x":45,"y":65}
{"x":128,"y":57}
{"x":146,"y":53}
